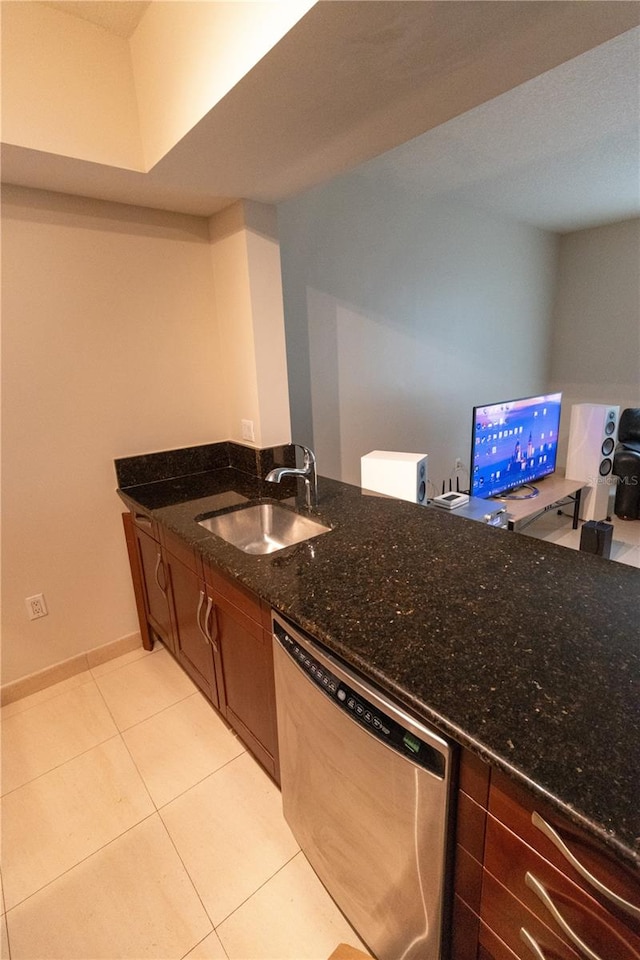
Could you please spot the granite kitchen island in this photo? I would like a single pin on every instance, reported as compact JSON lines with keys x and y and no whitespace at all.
{"x":522,"y":651}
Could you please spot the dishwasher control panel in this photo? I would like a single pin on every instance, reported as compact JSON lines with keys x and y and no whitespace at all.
{"x":362,"y":711}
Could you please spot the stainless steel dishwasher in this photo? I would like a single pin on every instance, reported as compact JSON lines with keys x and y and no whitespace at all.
{"x":366,"y":792}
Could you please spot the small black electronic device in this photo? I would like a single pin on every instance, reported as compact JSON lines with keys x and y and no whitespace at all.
{"x":596,"y":537}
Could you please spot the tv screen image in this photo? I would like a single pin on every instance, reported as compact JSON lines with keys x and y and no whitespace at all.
{"x":513,"y":443}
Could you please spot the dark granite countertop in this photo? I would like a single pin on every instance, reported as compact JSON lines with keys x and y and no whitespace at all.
{"x":523,"y":651}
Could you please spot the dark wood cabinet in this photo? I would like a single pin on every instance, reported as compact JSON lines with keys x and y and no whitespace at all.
{"x":149,"y":580}
{"x":471,"y":817}
{"x":504,"y":918}
{"x":529,"y":884}
{"x":218,"y":631}
{"x":194,"y":635}
{"x":555,"y":882}
{"x":247,"y":667}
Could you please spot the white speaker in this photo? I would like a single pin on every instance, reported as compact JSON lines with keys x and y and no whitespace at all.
{"x":401,"y":475}
{"x":593,"y":432}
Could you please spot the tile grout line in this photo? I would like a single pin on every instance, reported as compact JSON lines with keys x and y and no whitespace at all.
{"x":117,"y":735}
{"x":90,"y":676}
{"x":62,"y":763}
{"x":93,"y":853}
{"x":186,"y":869}
{"x":118,"y":731}
{"x":261,"y":885}
{"x":55,"y":696}
{"x":191,"y":880}
{"x":76,"y":686}
{"x":156,"y":713}
{"x":4,"y":921}
{"x":141,"y":656}
{"x":191,"y":949}
{"x":158,"y":809}
{"x":211,"y":773}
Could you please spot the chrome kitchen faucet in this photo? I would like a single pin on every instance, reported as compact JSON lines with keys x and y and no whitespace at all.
{"x":307,"y":472}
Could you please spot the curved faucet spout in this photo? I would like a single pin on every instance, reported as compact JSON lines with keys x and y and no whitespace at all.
{"x":307,"y":472}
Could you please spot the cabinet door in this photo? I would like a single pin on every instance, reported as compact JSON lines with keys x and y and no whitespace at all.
{"x":505,"y":917}
{"x":247,"y":665}
{"x":193,"y":646}
{"x":543,"y":875}
{"x":136,"y":578}
{"x":154,"y":586}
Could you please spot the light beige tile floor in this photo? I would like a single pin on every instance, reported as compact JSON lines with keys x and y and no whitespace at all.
{"x":136,"y":825}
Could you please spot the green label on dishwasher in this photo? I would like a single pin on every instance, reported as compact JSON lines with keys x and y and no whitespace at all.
{"x":411,"y":743}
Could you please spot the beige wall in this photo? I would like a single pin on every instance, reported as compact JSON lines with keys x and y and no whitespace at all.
{"x":246,"y":267}
{"x":67,"y":87}
{"x":265,"y":283}
{"x":110,"y":348}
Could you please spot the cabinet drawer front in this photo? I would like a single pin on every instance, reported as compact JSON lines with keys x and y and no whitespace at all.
{"x":514,"y":807}
{"x":182,"y":551}
{"x":474,"y":777}
{"x":506,"y":917}
{"x":470,"y":825}
{"x":144,"y":522}
{"x":464,"y":931}
{"x":491,"y":947}
{"x":510,"y":860}
{"x":468,"y":878}
{"x":234,"y":593}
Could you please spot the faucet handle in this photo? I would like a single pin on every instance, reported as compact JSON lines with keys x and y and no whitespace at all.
{"x":309,"y":455}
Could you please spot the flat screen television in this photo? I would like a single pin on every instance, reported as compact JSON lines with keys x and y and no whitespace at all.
{"x":513,"y":444}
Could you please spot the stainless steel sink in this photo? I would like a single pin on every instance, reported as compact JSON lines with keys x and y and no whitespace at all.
{"x":263,"y":528}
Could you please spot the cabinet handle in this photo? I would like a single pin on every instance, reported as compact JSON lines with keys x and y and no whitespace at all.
{"x":142,"y":521}
{"x":200,"y":628}
{"x":163,"y":590}
{"x":559,"y":843}
{"x":533,"y":945}
{"x":544,"y":897}
{"x":207,"y":620}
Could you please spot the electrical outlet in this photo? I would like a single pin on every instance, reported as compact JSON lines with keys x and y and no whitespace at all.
{"x":248,"y":432}
{"x":36,"y":606}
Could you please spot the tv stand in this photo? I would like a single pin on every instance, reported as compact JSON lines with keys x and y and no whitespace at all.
{"x":551,"y":492}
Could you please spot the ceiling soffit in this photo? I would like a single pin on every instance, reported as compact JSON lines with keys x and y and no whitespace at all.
{"x":348,"y":82}
{"x":120,"y":17}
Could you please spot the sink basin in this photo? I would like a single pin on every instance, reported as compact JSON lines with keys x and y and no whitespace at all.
{"x":263,"y":528}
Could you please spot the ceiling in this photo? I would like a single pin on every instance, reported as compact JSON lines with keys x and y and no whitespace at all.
{"x":561,"y":152}
{"x":119,"y":17}
{"x":529,"y":108}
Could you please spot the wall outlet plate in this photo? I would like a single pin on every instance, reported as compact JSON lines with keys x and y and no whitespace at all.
{"x":248,"y":433}
{"x":36,"y":606}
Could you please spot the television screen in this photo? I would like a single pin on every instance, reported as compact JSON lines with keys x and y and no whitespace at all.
{"x":513,"y":443}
